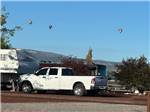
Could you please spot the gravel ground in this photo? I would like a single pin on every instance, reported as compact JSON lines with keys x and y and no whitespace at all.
{"x":70,"y":107}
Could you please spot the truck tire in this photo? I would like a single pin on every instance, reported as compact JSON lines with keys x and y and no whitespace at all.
{"x":26,"y":87}
{"x":79,"y":89}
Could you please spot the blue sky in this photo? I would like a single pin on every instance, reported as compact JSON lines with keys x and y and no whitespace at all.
{"x":77,"y":26}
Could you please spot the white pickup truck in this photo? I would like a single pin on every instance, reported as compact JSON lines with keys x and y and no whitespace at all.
{"x":61,"y":78}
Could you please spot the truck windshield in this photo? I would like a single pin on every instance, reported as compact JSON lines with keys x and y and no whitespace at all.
{"x":67,"y":72}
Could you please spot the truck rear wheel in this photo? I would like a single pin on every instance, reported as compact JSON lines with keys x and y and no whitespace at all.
{"x":79,"y":90}
{"x":26,"y":87}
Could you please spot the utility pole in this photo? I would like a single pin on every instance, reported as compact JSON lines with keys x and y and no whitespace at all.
{"x":148,"y":102}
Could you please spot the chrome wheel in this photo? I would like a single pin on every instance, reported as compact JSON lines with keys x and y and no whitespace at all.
{"x":79,"y":90}
{"x":26,"y":87}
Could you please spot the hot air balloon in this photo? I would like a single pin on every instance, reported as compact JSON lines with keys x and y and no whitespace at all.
{"x":50,"y":26}
{"x":18,"y":27}
{"x":29,"y":21}
{"x":120,"y":30}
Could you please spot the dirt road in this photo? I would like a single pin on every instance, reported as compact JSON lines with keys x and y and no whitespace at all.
{"x":14,"y":97}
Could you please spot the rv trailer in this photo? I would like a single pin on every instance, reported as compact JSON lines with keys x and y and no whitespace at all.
{"x":8,"y":66}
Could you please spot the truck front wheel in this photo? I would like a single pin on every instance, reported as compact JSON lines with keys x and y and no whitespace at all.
{"x":26,"y":87}
{"x":79,"y":90}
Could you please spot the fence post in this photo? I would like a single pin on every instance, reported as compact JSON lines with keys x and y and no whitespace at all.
{"x":148,"y":102}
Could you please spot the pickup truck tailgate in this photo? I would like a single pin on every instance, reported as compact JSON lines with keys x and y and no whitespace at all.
{"x":101,"y":81}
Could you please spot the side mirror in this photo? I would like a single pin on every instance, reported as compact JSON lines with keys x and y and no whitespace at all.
{"x":109,"y":78}
{"x":35,"y":73}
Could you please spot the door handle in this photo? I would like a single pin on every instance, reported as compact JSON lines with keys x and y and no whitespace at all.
{"x":56,"y":77}
{"x":43,"y":77}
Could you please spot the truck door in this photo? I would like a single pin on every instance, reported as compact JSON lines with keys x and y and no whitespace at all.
{"x":40,"y":81}
{"x":53,"y":79}
{"x":47,"y":78}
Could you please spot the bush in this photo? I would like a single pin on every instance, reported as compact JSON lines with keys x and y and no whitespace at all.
{"x":78,"y":66}
{"x":134,"y":73}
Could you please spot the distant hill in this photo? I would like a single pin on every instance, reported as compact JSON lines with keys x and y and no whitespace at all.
{"x":29,"y":60}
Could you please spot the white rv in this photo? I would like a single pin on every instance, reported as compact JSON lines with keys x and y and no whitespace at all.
{"x":8,"y":66}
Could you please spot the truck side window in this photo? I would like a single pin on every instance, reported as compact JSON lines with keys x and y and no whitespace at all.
{"x":42,"y":72}
{"x":67,"y":72}
{"x":53,"y":71}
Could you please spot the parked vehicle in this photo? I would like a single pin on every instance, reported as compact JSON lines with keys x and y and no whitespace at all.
{"x":8,"y":67}
{"x":61,"y":78}
{"x":115,"y":87}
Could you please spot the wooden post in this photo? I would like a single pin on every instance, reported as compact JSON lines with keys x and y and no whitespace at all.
{"x":148,"y":102}
{"x":13,"y":85}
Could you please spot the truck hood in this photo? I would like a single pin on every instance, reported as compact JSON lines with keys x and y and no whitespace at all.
{"x":25,"y":76}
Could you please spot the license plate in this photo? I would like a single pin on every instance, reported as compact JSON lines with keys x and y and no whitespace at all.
{"x":102,"y":87}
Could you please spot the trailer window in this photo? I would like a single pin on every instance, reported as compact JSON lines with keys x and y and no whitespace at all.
{"x":3,"y":57}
